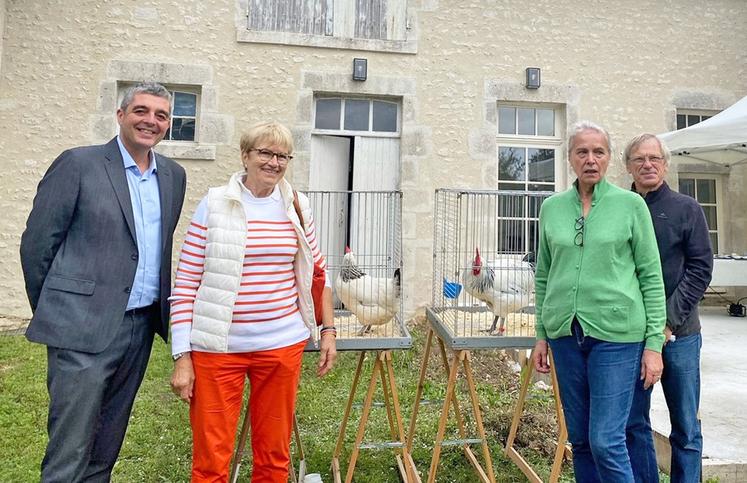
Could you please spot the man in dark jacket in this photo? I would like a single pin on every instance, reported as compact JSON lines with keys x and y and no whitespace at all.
{"x":96,"y":257}
{"x":687,"y":262}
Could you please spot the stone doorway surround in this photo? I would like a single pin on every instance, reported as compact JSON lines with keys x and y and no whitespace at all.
{"x":415,"y":149}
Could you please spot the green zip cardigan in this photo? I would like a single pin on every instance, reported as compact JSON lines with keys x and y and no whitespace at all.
{"x":613,"y":283}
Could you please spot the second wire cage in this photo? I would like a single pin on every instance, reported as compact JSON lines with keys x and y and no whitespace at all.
{"x":485,"y":243}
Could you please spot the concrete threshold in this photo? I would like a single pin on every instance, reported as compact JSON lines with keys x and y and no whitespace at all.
{"x":723,"y":400}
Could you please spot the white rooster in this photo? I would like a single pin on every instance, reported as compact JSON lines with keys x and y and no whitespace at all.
{"x":373,"y":300}
{"x":505,"y":286}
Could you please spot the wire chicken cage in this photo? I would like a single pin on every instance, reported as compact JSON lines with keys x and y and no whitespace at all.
{"x":483,"y":267}
{"x":366,"y":281}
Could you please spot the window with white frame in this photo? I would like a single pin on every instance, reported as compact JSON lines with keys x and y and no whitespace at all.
{"x":184,"y":112}
{"x":691,"y":117}
{"x":529,"y":141}
{"x":183,"y":116}
{"x":329,"y":23}
{"x":705,"y":189}
{"x":341,"y":115}
{"x":528,"y":147}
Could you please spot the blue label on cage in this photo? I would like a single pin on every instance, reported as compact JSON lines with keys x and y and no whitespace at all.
{"x":451,"y":289}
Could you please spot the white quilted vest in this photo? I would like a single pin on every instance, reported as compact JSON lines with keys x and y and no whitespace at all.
{"x":224,"y":259}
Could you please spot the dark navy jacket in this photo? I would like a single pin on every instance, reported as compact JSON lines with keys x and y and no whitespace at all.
{"x":686,"y":255}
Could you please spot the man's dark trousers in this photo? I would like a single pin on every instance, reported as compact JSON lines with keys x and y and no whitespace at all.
{"x":109,"y":380}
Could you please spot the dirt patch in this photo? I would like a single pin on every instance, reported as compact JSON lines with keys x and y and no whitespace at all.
{"x":538,"y":430}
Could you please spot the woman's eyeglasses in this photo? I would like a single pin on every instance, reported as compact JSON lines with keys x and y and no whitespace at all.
{"x":578,"y":240}
{"x":265,"y":155}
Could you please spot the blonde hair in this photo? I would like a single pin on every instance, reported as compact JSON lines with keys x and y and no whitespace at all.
{"x":272,"y":132}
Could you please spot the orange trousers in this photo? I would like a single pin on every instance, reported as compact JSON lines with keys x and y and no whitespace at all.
{"x":216,"y":405}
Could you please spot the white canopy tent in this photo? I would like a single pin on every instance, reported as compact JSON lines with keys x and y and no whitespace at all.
{"x":721,"y":139}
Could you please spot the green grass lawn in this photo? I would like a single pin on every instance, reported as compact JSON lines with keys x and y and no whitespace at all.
{"x":157,"y":447}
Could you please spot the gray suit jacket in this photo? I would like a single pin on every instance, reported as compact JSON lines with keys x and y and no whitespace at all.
{"x":79,"y":252}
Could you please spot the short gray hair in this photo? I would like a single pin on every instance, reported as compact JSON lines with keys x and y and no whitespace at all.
{"x":642,"y":138}
{"x":582,"y":126}
{"x":152,"y":88}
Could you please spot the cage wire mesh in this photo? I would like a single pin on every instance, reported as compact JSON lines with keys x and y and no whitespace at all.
{"x":366,"y":281}
{"x":483,"y":266}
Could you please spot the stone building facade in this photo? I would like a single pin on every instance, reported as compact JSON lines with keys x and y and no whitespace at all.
{"x":449,"y":67}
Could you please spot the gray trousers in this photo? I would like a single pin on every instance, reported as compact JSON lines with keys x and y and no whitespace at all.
{"x":91,"y":397}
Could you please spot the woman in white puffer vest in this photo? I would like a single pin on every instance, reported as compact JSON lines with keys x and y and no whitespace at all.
{"x":242,"y":307}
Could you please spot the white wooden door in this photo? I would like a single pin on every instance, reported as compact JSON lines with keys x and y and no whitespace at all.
{"x":330,"y":163}
{"x":329,"y":172}
{"x":376,"y":164}
{"x":376,"y":167}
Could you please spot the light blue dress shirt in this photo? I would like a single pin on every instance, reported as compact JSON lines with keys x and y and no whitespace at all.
{"x":146,"y":209}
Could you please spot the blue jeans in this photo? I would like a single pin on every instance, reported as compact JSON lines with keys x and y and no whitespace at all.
{"x":681,"y":384}
{"x":597,"y":381}
{"x":639,"y":437}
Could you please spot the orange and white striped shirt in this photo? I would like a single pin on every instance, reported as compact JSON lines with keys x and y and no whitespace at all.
{"x":265,"y":314}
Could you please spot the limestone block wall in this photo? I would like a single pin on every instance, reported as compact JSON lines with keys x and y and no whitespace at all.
{"x":626,"y":65}
{"x":2,"y":30}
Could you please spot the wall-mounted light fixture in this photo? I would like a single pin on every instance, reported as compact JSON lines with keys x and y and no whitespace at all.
{"x":360,"y":69}
{"x":533,"y":77}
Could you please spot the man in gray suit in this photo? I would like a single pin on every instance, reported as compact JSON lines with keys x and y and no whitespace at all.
{"x":96,"y":256}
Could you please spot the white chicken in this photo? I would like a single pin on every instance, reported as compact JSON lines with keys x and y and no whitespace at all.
{"x":373,"y":300}
{"x":505,"y":286}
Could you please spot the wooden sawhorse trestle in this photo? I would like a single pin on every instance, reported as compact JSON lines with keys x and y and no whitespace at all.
{"x":561,"y":450}
{"x":384,"y":371}
{"x":460,"y":357}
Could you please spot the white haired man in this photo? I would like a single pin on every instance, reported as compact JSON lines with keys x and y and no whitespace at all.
{"x":687,"y":262}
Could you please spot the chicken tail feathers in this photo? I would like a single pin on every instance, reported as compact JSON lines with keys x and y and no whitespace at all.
{"x":397,"y":282}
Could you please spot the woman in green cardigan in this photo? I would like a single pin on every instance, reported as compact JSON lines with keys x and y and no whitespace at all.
{"x":600,"y":305}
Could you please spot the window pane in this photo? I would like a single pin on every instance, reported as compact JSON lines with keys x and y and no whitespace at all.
{"x":692,"y":119}
{"x":533,"y":242}
{"x":356,"y":115}
{"x":534,"y":204}
{"x":541,"y":164}
{"x":706,"y":190}
{"x":545,"y":122}
{"x":511,"y":164}
{"x":714,"y":242}
{"x":507,"y":120}
{"x":681,"y":121}
{"x":384,"y":116}
{"x":185,"y":104}
{"x":710,"y":215}
{"x":327,"y":114}
{"x":687,"y":187}
{"x":703,"y":118}
{"x":526,"y":121}
{"x":541,"y":187}
{"x":511,"y":236}
{"x":182,"y":129}
{"x":515,"y":186}
{"x":512,"y":206}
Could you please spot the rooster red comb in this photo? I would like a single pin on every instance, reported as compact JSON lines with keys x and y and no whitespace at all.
{"x":348,"y":250}
{"x":477,"y":262}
